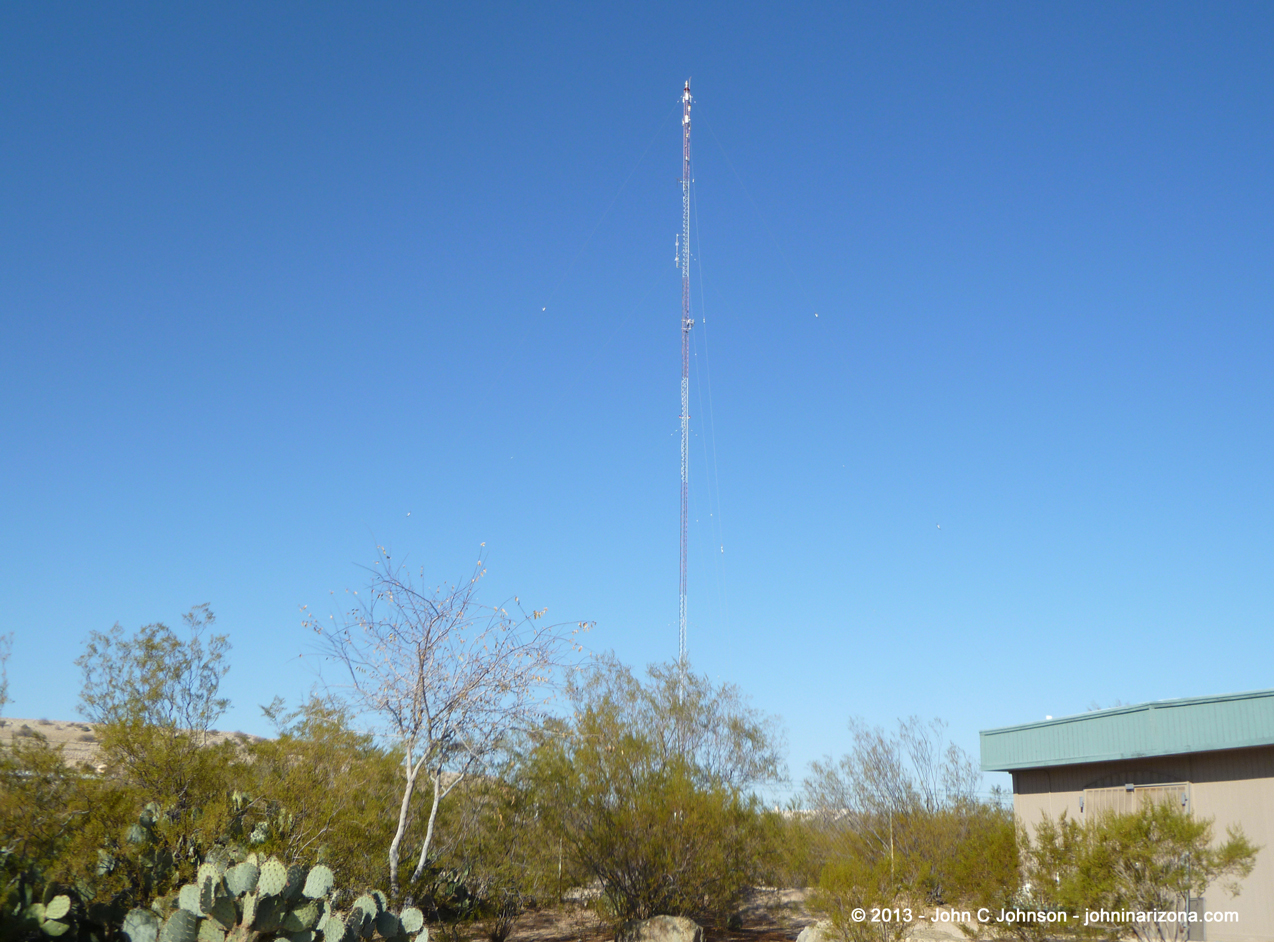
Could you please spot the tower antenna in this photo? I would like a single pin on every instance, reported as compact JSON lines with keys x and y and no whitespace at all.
{"x":683,"y":262}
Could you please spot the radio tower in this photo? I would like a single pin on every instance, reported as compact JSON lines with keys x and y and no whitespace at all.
{"x":683,"y":261}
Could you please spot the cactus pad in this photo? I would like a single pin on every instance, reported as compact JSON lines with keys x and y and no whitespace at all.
{"x":242,"y":878}
{"x":57,"y":907}
{"x":334,"y":927}
{"x":182,"y":926}
{"x":141,"y":925}
{"x":209,"y":931}
{"x":224,"y":912}
{"x":318,"y":882}
{"x":387,"y":925}
{"x":273,"y":879}
{"x":188,"y":899}
{"x":353,"y":922}
{"x":208,"y":894}
{"x":296,"y":879}
{"x":303,"y":917}
{"x":270,"y":913}
{"x":413,"y":920}
{"x":366,"y":909}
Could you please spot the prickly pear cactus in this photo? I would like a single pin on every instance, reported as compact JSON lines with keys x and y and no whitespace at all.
{"x":52,"y":917}
{"x":262,"y":900}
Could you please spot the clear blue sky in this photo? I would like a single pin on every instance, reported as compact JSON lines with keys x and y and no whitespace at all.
{"x":275,"y":277}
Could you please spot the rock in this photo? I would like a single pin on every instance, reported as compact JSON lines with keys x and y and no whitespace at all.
{"x":660,"y":929}
{"x":817,"y":932}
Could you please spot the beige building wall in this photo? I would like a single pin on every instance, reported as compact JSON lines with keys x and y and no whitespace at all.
{"x":1234,"y":787}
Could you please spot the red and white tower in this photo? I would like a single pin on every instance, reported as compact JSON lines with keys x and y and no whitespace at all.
{"x":683,"y":261}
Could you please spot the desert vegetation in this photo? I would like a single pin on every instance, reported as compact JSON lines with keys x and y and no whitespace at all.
{"x":433,"y":787}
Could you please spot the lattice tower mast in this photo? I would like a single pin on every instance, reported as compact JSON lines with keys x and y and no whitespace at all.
{"x":683,"y":261}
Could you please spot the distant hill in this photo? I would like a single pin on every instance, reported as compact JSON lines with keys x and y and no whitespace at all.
{"x":79,"y":740}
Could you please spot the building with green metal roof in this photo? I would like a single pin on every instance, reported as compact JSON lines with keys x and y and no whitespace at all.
{"x":1215,"y":755}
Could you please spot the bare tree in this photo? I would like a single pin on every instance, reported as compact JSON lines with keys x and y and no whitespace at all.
{"x":448,"y":677}
{"x":888,"y":775}
{"x":902,"y":801}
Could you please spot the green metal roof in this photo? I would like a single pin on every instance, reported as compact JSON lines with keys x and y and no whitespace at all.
{"x":1161,"y":728}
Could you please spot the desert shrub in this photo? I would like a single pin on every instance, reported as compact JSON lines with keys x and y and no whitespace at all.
{"x":322,"y":790}
{"x":984,"y":861}
{"x":497,"y":849}
{"x":852,"y":882}
{"x":908,"y":800}
{"x":796,"y":859}
{"x":645,"y":788}
{"x":1155,"y":858}
{"x":42,"y":802}
{"x":658,"y":842}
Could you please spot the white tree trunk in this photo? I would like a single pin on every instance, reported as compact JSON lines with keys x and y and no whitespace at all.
{"x":439,"y":794}
{"x":404,"y":813}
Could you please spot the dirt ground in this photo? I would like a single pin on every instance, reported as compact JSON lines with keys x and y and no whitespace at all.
{"x":768,"y":915}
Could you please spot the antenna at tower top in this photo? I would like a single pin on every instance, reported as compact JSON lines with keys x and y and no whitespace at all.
{"x":683,"y":262}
